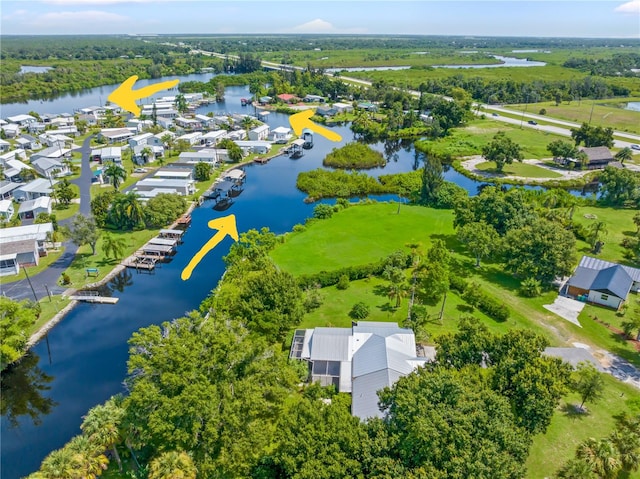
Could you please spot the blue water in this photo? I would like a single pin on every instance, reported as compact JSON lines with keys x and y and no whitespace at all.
{"x":31,"y":69}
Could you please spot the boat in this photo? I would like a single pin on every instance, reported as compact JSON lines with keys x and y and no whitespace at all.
{"x":224,"y":204}
{"x":245,"y":101}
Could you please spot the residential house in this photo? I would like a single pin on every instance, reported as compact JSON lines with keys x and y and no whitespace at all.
{"x":596,"y":158}
{"x":140,"y":140}
{"x":34,"y":189}
{"x":211,"y":138}
{"x":165,"y":123}
{"x":14,"y":254}
{"x":22,"y":120}
{"x":32,"y":208}
{"x":313,"y":98}
{"x":6,"y":189}
{"x":28,"y":142}
{"x":602,"y":282}
{"x":288,"y":98}
{"x":342,"y":107}
{"x":115,"y":135}
{"x":62,"y":122}
{"x":108,"y":154}
{"x":206,"y":121}
{"x":206,"y":155}
{"x":188,"y":123}
{"x":139,"y":125}
{"x":194,"y":138}
{"x":4,"y":145}
{"x":51,"y":139}
{"x":141,"y":157}
{"x":11,"y":130}
{"x":13,"y":169}
{"x":259,"y":133}
{"x":367,"y":106}
{"x":236,"y":135}
{"x":67,"y":130}
{"x":264,"y":100}
{"x":6,"y":210}
{"x":53,"y":153}
{"x":326,"y":111}
{"x":260,"y":147}
{"x":36,"y":127}
{"x":89,"y":118}
{"x":50,"y":167}
{"x":360,"y":360}
{"x":180,"y":187}
{"x":281,"y":134}
{"x":175,"y":173}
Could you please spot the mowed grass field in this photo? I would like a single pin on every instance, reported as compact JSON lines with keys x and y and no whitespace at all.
{"x":469,"y":140}
{"x":606,"y":113}
{"x":360,"y":235}
{"x":518,"y":169}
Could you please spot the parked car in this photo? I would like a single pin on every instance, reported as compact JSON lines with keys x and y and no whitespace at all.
{"x":532,"y":122}
{"x":494,"y":114}
{"x":140,"y":170}
{"x":635,"y":147}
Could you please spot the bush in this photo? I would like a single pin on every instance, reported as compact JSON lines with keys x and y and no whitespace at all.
{"x":343,"y":282}
{"x":66,"y":279}
{"x":299,"y":228}
{"x":359,"y":311}
{"x":323,"y":211}
{"x":530,"y":288}
{"x":485,"y":303}
{"x":457,"y":283}
{"x":543,"y":111}
{"x":354,"y":155}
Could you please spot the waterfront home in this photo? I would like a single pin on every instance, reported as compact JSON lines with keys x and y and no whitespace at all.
{"x":602,"y":282}
{"x":260,"y":147}
{"x":180,"y":187}
{"x":6,"y":210}
{"x":50,"y":167}
{"x":288,"y":98}
{"x":14,"y":169}
{"x":360,"y":360}
{"x":97,"y":111}
{"x":313,"y":98}
{"x":115,"y":135}
{"x":342,"y":107}
{"x":205,"y":120}
{"x":6,"y":189}
{"x":367,"y":106}
{"x":194,"y":138}
{"x":89,"y":118}
{"x":265,"y":100}
{"x":212,"y":138}
{"x":281,"y":134}
{"x":207,"y":155}
{"x":62,"y":122}
{"x":326,"y":111}
{"x":32,"y":208}
{"x":22,"y":120}
{"x":4,"y":145}
{"x":111,"y":154}
{"x":34,"y":189}
{"x":236,"y":135}
{"x":175,"y":173}
{"x":598,"y":157}
{"x":11,"y":130}
{"x":259,"y":133}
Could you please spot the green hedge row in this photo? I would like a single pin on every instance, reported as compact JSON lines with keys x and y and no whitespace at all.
{"x":473,"y":294}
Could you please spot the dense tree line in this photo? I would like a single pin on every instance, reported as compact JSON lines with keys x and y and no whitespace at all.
{"x":16,"y":319}
{"x":619,"y":64}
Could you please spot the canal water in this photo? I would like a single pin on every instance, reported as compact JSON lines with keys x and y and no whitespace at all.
{"x":83,"y":361}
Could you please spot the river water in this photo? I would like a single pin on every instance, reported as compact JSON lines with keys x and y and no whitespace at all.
{"x":83,"y":361}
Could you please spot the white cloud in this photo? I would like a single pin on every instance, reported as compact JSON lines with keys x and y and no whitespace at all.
{"x":76,"y":20}
{"x":630,"y":7}
{"x":15,"y":15}
{"x":322,"y":26}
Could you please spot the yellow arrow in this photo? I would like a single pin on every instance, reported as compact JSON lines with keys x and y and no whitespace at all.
{"x":225,"y":226}
{"x":125,"y":96}
{"x":303,"y":120}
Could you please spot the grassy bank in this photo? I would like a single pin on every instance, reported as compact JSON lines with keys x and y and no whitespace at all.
{"x":518,"y":169}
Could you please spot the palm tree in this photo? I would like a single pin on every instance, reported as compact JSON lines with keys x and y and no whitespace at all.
{"x":181,"y":103}
{"x":628,"y":446}
{"x":247,"y":123}
{"x":113,"y":246}
{"x":60,"y":464}
{"x":397,"y":291}
{"x":128,"y":210}
{"x":102,"y":426}
{"x":89,"y":457}
{"x":601,"y":456}
{"x":597,"y":231}
{"x":146,"y":152}
{"x":624,"y":155}
{"x":172,"y":465}
{"x":168,"y":142}
{"x":116,"y":174}
{"x":576,"y":469}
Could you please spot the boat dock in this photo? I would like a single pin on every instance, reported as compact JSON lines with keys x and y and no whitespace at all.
{"x":156,"y":250}
{"x":93,"y":297}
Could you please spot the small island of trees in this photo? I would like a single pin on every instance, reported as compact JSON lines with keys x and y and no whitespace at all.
{"x":354,"y":155}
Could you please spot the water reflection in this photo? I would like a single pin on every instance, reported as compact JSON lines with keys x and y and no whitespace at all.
{"x":22,"y":386}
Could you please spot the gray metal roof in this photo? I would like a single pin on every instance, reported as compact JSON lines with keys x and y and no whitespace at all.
{"x":613,"y":279}
{"x":380,"y":353}
{"x":595,"y":263}
{"x":7,"y":186}
{"x":582,"y":278}
{"x":364,"y":393}
{"x":331,"y":344}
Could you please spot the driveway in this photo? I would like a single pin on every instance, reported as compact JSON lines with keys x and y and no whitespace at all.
{"x":49,"y":277}
{"x":566,"y":308}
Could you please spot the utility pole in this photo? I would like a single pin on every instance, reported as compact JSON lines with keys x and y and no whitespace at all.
{"x":30,"y":285}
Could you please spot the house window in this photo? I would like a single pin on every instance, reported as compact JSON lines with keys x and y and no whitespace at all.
{"x":604,"y":297}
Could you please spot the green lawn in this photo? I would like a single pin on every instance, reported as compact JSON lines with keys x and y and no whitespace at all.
{"x":358,"y":235}
{"x":49,"y":308}
{"x":518,"y":169}
{"x":469,"y":140}
{"x":551,"y":450}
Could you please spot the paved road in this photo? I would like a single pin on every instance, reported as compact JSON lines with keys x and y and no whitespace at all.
{"x":49,"y":277}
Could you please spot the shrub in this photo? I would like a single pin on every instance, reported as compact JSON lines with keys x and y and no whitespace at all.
{"x":543,"y":111}
{"x":343,"y":282}
{"x":323,"y":211}
{"x":485,"y":303}
{"x":299,"y":228}
{"x":457,"y":283}
{"x":530,"y":288}
{"x":66,"y":279}
{"x":360,"y":310}
{"x":354,"y":155}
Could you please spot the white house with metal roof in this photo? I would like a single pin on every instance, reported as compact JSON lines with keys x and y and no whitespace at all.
{"x":34,"y":189}
{"x":6,"y":209}
{"x":181,"y":187}
{"x":32,"y":208}
{"x":602,"y":282}
{"x":360,"y":360}
{"x":50,"y":167}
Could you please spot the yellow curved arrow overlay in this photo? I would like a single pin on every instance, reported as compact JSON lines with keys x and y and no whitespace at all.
{"x":302,"y":120}
{"x":225,"y":226}
{"x":125,"y":96}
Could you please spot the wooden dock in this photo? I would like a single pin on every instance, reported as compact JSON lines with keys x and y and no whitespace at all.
{"x":140,"y":261}
{"x":89,"y":298}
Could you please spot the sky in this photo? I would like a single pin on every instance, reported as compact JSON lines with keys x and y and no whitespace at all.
{"x":532,"y":18}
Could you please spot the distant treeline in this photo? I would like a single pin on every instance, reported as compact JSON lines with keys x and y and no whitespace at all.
{"x":620,"y":64}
